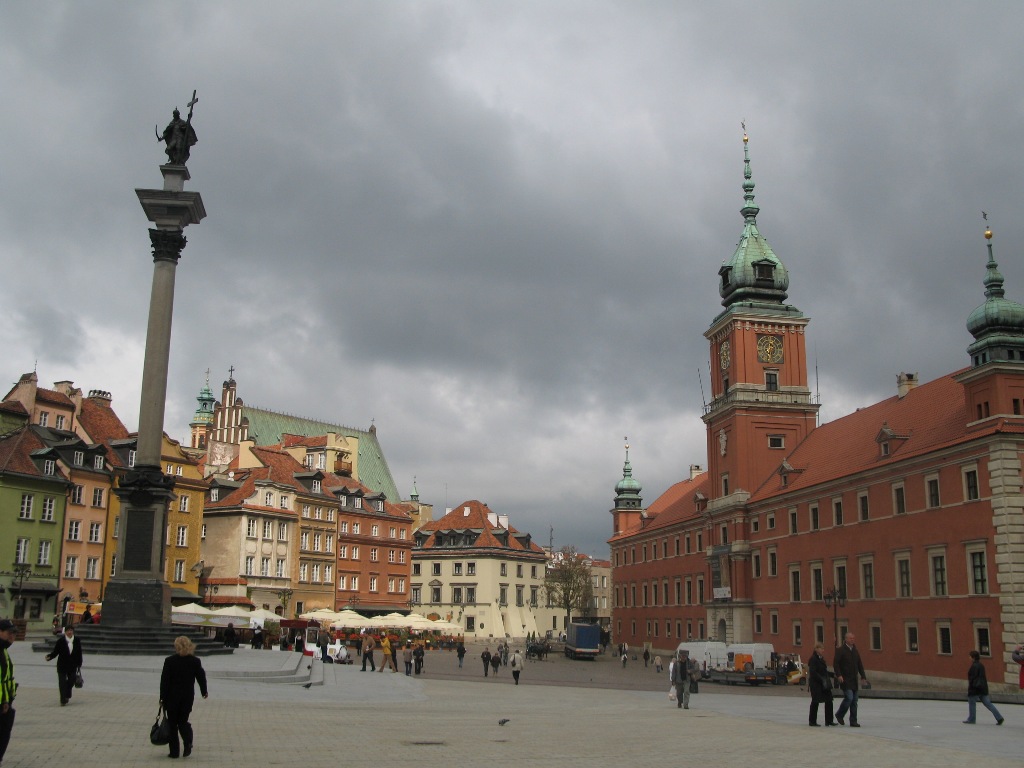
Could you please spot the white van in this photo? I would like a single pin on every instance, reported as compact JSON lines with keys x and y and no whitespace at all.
{"x":760,"y":654}
{"x":710,"y":654}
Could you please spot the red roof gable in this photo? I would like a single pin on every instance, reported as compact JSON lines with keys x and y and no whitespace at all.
{"x":474,"y":515}
{"x":100,"y":422}
{"x":927,"y":418}
{"x":14,"y":453}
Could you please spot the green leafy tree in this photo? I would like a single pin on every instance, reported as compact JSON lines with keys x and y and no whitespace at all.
{"x":568,"y":583}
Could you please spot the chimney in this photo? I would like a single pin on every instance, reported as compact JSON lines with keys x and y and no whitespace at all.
{"x":904,"y":383}
{"x":503,"y":521}
{"x":492,"y":518}
{"x":695,"y":469}
{"x":465,"y":511}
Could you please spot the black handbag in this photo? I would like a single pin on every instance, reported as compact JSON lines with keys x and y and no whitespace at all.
{"x":79,"y":680}
{"x":693,"y":686}
{"x":160,"y":732}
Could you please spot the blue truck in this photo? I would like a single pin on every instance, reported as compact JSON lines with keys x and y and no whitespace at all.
{"x":583,"y":641}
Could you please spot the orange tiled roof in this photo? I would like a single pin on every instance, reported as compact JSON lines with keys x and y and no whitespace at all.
{"x":53,"y":398}
{"x":929,"y":417}
{"x":13,"y":406}
{"x":14,"y":453}
{"x":100,"y":422}
{"x":476,"y":519}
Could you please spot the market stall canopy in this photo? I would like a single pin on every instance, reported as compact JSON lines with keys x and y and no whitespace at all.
{"x":261,"y":616}
{"x":320,"y":614}
{"x":233,"y":614}
{"x":191,"y":614}
{"x":349,"y":620}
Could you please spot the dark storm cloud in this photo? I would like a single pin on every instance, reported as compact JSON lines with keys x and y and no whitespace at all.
{"x":495,"y":228}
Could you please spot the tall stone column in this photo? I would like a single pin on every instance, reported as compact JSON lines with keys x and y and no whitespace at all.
{"x":139,"y":595}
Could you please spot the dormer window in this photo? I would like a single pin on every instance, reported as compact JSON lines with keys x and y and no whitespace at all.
{"x":726,"y":273}
{"x":357,"y":502}
{"x":316,"y":486}
{"x":380,"y":505}
{"x":97,"y":462}
{"x":131,"y":457}
{"x":764,"y":271}
{"x":49,"y":467}
{"x":214,"y":494}
{"x":268,"y":499}
{"x":79,"y":458}
{"x":885,"y":448}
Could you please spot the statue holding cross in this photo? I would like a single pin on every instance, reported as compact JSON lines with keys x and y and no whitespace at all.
{"x":179,"y":136}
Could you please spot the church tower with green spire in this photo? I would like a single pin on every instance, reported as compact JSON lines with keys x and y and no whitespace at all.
{"x":202,"y":421}
{"x":761,"y":406}
{"x":629,"y":504}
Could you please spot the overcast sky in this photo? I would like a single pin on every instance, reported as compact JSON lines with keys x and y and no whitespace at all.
{"x":494,"y":229}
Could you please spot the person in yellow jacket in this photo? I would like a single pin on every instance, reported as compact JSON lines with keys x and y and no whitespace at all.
{"x":385,"y":647}
{"x":8,"y":687}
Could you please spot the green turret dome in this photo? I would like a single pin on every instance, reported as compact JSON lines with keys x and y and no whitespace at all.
{"x":754,"y":276}
{"x":204,"y":413}
{"x":627,"y":490}
{"x":998,"y":315}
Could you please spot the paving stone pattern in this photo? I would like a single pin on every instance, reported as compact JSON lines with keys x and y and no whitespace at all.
{"x":562,"y":714}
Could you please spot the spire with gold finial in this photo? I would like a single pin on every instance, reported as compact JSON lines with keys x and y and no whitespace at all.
{"x":997,"y":325}
{"x":627,"y":490}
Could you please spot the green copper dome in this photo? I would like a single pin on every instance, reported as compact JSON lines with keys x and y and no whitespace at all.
{"x":204,"y":413}
{"x":754,"y":276}
{"x":627,"y":490}
{"x":998,"y":315}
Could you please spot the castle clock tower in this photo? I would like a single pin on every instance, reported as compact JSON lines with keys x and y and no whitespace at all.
{"x":761,"y":406}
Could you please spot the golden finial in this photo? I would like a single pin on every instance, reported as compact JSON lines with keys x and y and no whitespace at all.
{"x":988,"y":229}
{"x":743,"y":125}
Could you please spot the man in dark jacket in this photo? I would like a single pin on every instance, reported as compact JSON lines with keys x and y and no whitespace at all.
{"x":848,"y":667}
{"x":68,"y":652}
{"x":977,"y":688}
{"x":820,"y":686}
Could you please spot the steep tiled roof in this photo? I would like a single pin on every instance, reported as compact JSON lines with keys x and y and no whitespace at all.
{"x":929,"y":417}
{"x":53,"y":398}
{"x":15,"y":450}
{"x":13,"y":406}
{"x":100,"y":422}
{"x":267,"y":428}
{"x":673,"y":506}
{"x":473,"y":516}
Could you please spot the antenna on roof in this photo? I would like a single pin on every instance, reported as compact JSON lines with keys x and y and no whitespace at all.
{"x":817,"y":386}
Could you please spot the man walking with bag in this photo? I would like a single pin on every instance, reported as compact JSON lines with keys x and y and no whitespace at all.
{"x":684,"y":672}
{"x":68,"y":652}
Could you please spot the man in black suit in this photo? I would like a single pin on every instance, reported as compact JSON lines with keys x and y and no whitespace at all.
{"x":848,"y":667}
{"x":68,"y":652}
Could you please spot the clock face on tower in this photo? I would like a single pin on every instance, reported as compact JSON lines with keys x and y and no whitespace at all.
{"x":723,"y":355}
{"x":769,"y":349}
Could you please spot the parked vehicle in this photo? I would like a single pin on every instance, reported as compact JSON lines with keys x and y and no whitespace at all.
{"x":583,"y":641}
{"x":709,"y":654}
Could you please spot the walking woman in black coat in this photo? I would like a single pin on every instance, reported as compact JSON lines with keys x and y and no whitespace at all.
{"x":182,"y":670}
{"x":820,"y":686}
{"x":68,"y":652}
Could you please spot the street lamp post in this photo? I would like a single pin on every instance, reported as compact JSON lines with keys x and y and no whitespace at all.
{"x":21,"y":572}
{"x":835,"y":599}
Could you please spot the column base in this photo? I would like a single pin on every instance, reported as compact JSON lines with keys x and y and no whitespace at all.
{"x":137,"y":603}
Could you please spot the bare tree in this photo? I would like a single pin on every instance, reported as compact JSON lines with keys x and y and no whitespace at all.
{"x":568,"y":582}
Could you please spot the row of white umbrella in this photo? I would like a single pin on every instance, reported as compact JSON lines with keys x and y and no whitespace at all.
{"x":198,"y":615}
{"x":195,"y":614}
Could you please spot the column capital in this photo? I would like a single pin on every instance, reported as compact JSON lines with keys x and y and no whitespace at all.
{"x":167,"y":244}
